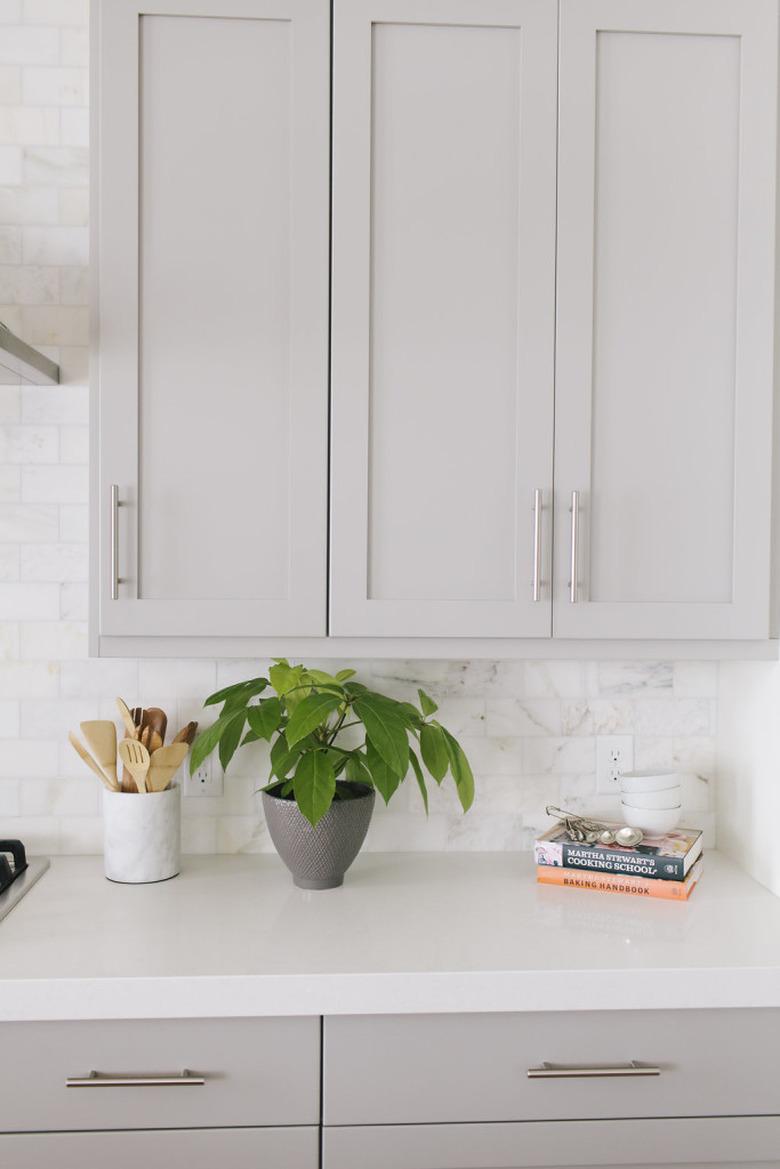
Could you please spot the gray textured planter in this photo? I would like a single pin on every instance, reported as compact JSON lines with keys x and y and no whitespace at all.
{"x":319,"y":857}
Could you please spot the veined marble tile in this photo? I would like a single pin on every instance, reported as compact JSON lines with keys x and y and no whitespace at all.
{"x":523,"y":716}
{"x":554,"y":679}
{"x":696,"y":679}
{"x":682,"y":716}
{"x":597,"y":716}
{"x":485,"y":832}
{"x":618,"y":678}
{"x":694,"y":753}
{"x":558,"y":756}
{"x":440,"y":678}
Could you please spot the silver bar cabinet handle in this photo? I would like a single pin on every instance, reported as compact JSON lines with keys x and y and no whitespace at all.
{"x":562,"y":1071}
{"x":574,"y":553}
{"x":114,"y":542}
{"x":185,"y":1079}
{"x":537,"y":585}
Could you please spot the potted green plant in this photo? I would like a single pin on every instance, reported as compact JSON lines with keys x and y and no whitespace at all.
{"x":322,"y":787}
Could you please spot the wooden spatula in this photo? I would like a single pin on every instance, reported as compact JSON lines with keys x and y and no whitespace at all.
{"x":187,"y":734}
{"x":136,"y":759}
{"x":84,"y":754}
{"x":157,"y":719}
{"x":100,"y":736}
{"x":166,"y":761}
{"x":127,"y":718}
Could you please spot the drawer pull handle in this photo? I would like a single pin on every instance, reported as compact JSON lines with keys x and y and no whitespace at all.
{"x":185,"y":1079}
{"x":562,"y":1071}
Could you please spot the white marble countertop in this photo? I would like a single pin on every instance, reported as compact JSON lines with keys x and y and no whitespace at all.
{"x":231,"y":936}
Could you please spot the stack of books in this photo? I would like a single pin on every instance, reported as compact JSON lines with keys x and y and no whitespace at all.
{"x":661,"y":866}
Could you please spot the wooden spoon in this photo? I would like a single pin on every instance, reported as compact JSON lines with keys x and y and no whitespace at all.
{"x":136,"y":759}
{"x":82,"y":752}
{"x":187,"y":734}
{"x":166,"y":761}
{"x":157,"y":719}
{"x":100,"y":735}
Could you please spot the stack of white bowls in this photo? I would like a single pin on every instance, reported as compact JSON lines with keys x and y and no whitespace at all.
{"x":651,"y":800}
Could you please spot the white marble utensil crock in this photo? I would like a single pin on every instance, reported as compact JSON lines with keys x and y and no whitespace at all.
{"x":141,"y":835}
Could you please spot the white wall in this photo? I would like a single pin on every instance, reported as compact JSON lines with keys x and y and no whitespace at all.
{"x":748,"y":787}
{"x":529,"y":728}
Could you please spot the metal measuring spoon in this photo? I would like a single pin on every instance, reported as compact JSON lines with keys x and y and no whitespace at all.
{"x":629,"y":837}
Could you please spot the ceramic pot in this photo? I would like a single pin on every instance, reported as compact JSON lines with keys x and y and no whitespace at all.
{"x":141,"y":835}
{"x":319,"y":857}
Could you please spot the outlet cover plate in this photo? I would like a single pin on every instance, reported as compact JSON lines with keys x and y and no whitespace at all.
{"x":614,"y":755}
{"x":206,"y":782}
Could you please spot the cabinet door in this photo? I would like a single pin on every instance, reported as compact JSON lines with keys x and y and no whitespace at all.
{"x":442,"y":321}
{"x":665,"y":317}
{"x":723,"y":1143}
{"x":213,"y":130}
{"x":241,"y":1148}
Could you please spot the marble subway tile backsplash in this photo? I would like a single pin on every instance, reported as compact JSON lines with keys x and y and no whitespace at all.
{"x":529,"y":728}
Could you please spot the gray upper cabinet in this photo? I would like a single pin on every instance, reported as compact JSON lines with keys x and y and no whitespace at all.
{"x":212,"y":193}
{"x":548,"y":253}
{"x":666,"y":269}
{"x":443,"y":317}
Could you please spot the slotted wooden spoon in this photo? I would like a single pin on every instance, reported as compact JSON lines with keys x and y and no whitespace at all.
{"x":136,"y":759}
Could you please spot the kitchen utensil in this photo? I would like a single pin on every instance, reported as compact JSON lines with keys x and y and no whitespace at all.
{"x":136,"y":759}
{"x":165,"y":762}
{"x":187,"y":734}
{"x":629,"y":837}
{"x":157,"y":719}
{"x":668,"y":798}
{"x":127,"y":718}
{"x":84,"y":754}
{"x":652,"y":821}
{"x":138,"y":717}
{"x":648,"y":781}
{"x":100,"y":737}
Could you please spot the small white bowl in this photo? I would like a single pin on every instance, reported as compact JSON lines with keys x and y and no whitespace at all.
{"x":653,"y":821}
{"x":670,"y":797}
{"x":648,"y":781}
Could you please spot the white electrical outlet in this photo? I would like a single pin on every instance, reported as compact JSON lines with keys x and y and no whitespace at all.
{"x":614,"y":756}
{"x":206,"y":781}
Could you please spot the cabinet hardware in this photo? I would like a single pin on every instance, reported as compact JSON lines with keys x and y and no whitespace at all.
{"x":537,"y":585}
{"x":114,"y":542}
{"x":574,"y":557}
{"x":562,"y":1071}
{"x":185,"y":1079}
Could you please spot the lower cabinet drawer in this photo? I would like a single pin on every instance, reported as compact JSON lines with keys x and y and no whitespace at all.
{"x":255,"y":1072}
{"x":727,"y":1143}
{"x":422,"y":1069}
{"x":267,"y":1148}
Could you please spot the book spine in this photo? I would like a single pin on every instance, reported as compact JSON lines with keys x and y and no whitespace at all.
{"x":641,"y":887}
{"x":659,"y":868}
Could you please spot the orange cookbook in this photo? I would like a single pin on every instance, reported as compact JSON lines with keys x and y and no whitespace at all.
{"x":617,"y":883}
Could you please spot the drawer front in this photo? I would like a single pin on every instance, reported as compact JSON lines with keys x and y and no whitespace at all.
{"x":256,"y":1072}
{"x":420,"y":1069}
{"x":728,"y":1143}
{"x":267,"y":1148}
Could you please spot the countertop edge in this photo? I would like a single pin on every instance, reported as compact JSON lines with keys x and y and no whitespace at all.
{"x":269,"y":995}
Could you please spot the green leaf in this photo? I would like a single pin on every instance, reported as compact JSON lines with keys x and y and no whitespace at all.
{"x":357,"y":771}
{"x":386,"y":781}
{"x":230,"y":738}
{"x":433,"y":747}
{"x":310,"y":713}
{"x":386,"y":730}
{"x":343,"y":675}
{"x":207,"y":740}
{"x":415,"y":762}
{"x":314,"y":786}
{"x":285,"y":677}
{"x":461,"y":771}
{"x":264,"y":718}
{"x":320,"y":678}
{"x":237,"y":690}
{"x":282,"y":758}
{"x":427,"y":705}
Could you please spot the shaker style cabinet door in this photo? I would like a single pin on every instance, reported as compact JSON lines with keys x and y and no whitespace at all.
{"x":442,"y":317}
{"x":212,"y":127}
{"x":666,"y":196}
